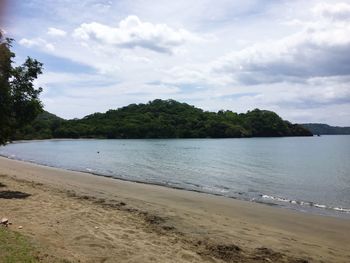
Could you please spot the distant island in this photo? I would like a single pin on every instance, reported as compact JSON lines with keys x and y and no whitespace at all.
{"x":325,"y":129}
{"x":162,"y":119}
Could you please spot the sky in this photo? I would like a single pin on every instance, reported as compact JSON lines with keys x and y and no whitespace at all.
{"x":291,"y":57}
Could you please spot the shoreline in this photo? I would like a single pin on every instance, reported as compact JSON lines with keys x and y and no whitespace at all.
{"x":312,"y":208}
{"x":165,"y":187}
{"x":185,"y":215}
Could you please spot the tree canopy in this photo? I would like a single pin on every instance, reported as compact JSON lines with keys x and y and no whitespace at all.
{"x":19,"y":99}
{"x":163,"y":119}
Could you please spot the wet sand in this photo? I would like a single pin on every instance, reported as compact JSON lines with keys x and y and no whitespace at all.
{"x":82,"y":217}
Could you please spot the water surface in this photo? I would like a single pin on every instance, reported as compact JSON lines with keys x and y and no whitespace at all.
{"x":304,"y":173}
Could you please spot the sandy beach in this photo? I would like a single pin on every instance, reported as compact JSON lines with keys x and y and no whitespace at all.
{"x":79,"y":217}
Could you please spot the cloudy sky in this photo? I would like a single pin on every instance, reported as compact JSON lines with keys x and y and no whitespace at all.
{"x":292,"y":57}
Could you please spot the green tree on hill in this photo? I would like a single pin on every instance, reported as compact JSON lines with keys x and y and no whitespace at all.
{"x":19,"y":99}
{"x":163,"y":119}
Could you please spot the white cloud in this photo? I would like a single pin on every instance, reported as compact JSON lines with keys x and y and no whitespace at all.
{"x":336,"y":11}
{"x":318,"y":50}
{"x":52,"y":31}
{"x":37,"y":42}
{"x":132,"y":32}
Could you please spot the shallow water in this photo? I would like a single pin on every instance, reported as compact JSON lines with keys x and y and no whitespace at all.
{"x":304,"y":173}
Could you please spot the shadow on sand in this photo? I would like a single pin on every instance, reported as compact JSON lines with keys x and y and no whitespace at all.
{"x":13,"y":195}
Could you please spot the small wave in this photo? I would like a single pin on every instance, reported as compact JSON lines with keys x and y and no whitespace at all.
{"x":9,"y":156}
{"x":346,"y":210}
{"x":222,"y":187}
{"x":279,"y":199}
{"x":214,"y":189}
{"x":188,"y":148}
{"x":192,"y":184}
{"x":305,"y":203}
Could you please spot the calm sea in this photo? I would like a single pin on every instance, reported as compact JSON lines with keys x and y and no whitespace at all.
{"x":309,"y":174}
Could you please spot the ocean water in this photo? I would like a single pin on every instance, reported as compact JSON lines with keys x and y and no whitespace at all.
{"x":310,"y":174}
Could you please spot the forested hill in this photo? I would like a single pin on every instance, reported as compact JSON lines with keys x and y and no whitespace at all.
{"x":163,"y":119}
{"x":319,"y":128}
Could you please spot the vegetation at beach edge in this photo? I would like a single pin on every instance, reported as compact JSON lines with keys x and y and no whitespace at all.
{"x":15,"y":248}
{"x":19,"y":98}
{"x":162,"y":119}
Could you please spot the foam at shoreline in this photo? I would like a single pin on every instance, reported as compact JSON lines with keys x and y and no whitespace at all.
{"x":306,"y":203}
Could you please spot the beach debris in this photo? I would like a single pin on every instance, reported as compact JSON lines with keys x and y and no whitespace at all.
{"x":4,"y":221}
{"x":20,"y":227}
{"x":96,"y":227}
{"x":225,"y":252}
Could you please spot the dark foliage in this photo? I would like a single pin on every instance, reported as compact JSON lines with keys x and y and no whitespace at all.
{"x":19,"y":100}
{"x":162,"y":119}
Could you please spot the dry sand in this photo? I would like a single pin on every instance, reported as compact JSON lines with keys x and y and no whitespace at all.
{"x":80,"y":217}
